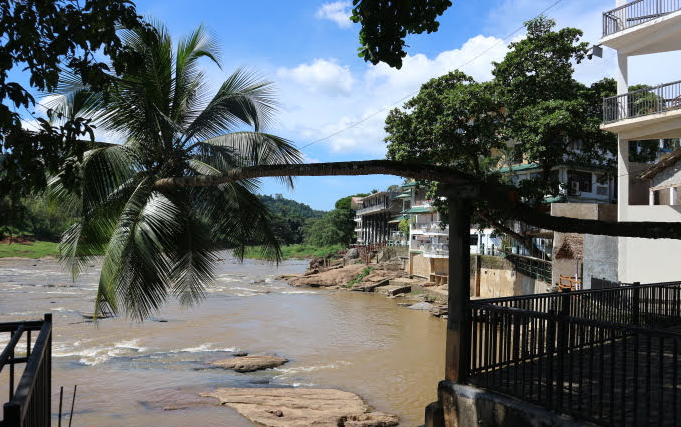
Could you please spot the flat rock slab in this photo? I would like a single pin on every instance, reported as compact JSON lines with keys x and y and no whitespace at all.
{"x":250,"y":363}
{"x":302,"y":407}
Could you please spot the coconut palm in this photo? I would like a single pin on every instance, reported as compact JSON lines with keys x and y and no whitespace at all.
{"x":159,"y":242}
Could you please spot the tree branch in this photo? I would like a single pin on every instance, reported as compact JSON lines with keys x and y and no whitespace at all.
{"x":497,"y":195}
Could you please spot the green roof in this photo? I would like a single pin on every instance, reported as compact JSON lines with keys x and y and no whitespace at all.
{"x":556,"y":199}
{"x":419,"y":210}
{"x":519,"y":168}
{"x":398,"y":219}
{"x":406,"y":195}
{"x":535,"y":166}
{"x":409,"y":184}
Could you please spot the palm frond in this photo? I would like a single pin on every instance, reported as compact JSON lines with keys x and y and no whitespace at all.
{"x":135,"y":269}
{"x":242,"y":99}
{"x":238,"y":219}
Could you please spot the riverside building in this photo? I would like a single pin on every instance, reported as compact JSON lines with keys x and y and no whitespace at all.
{"x":644,"y":194}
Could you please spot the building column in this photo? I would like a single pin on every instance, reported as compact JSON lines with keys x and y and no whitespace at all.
{"x":672,"y":195}
{"x":622,"y":178}
{"x":651,"y":197}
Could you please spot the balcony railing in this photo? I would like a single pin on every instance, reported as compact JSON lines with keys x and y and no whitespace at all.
{"x":642,"y":102}
{"x":436,"y":249}
{"x":29,"y":404}
{"x":635,"y":13}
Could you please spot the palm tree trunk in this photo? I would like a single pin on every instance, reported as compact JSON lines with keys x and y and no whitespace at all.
{"x":497,"y":195}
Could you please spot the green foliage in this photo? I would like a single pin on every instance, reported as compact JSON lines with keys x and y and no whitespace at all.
{"x":533,"y":99}
{"x":360,"y":276}
{"x":299,"y":251}
{"x":38,"y":249}
{"x":452,"y":121}
{"x":336,"y":227}
{"x":403,"y":226}
{"x":345,"y":202}
{"x":289,"y":218}
{"x":162,"y":241}
{"x":547,"y":109}
{"x":385,"y":24}
{"x":43,"y":38}
{"x":279,"y":205}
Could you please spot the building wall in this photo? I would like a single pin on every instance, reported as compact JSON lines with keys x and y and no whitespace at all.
{"x":649,"y":260}
{"x":419,"y":265}
{"x":600,"y":258}
{"x":669,"y":176}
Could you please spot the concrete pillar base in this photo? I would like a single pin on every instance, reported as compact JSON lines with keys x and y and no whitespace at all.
{"x":434,"y":415}
{"x":465,"y":406}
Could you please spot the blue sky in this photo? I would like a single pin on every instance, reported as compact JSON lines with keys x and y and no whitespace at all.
{"x":308,"y":48}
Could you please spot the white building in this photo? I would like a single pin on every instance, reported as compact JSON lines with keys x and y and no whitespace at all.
{"x":639,"y":28}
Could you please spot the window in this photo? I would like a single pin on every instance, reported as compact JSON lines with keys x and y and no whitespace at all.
{"x":579,"y":182}
{"x":474,"y":240}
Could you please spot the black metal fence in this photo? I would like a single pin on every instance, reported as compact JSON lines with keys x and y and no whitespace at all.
{"x":29,"y":403}
{"x":598,"y":355}
{"x":635,"y":13}
{"x":642,"y":102}
{"x":530,"y":266}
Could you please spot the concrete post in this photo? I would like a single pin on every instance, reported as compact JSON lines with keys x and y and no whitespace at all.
{"x":672,"y":195}
{"x":651,"y":197}
{"x":622,"y":178}
{"x":458,"y":323}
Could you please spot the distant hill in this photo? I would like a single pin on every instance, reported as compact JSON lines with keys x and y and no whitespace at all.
{"x":289,"y":208}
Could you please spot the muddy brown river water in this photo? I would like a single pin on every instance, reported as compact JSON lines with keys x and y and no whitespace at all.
{"x":150,"y":374}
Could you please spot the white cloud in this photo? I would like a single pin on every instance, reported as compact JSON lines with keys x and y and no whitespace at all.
{"x":338,"y":12}
{"x":377,"y":90}
{"x":321,"y":76}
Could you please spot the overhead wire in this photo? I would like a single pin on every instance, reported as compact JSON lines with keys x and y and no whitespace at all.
{"x":412,"y":93}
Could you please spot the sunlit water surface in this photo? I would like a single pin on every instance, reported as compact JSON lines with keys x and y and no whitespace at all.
{"x":151,"y":374}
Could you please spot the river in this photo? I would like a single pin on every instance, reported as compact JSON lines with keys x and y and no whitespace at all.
{"x":150,"y":374}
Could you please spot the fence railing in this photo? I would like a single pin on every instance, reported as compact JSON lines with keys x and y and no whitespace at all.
{"x":597,"y":355}
{"x":642,"y":102}
{"x":532,"y":267}
{"x":635,"y":13}
{"x":29,"y":404}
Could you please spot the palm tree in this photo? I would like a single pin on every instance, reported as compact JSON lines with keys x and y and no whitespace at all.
{"x":159,"y":242}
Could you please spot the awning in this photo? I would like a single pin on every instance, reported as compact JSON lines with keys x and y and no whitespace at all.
{"x":406,"y":195}
{"x":398,"y":219}
{"x":419,"y":210}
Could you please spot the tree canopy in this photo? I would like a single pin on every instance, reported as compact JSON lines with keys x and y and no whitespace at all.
{"x":42,"y":38}
{"x":385,"y":24}
{"x":533,"y":106}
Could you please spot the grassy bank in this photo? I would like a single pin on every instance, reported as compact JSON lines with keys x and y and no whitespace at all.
{"x":300,"y":251}
{"x":37,"y":249}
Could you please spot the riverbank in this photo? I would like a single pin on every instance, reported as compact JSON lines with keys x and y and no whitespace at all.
{"x":299,"y":251}
{"x":29,"y":249}
{"x":346,"y":271}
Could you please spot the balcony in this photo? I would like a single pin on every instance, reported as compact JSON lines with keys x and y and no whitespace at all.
{"x":381,"y":207}
{"x":643,"y":26}
{"x":649,"y":113}
{"x":435,"y":250}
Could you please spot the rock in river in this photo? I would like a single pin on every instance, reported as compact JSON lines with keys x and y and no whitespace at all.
{"x":301,"y":407}
{"x":250,"y":363}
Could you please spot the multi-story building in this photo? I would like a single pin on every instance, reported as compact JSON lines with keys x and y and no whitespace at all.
{"x":374,"y":217}
{"x":644,"y":27}
{"x":579,"y":183}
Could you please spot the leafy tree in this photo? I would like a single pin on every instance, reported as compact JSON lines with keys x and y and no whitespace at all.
{"x":547,"y":110}
{"x":533,"y":100}
{"x":336,"y":227}
{"x":333,"y":228}
{"x":43,"y":37}
{"x":386,"y":23}
{"x":163,"y":240}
